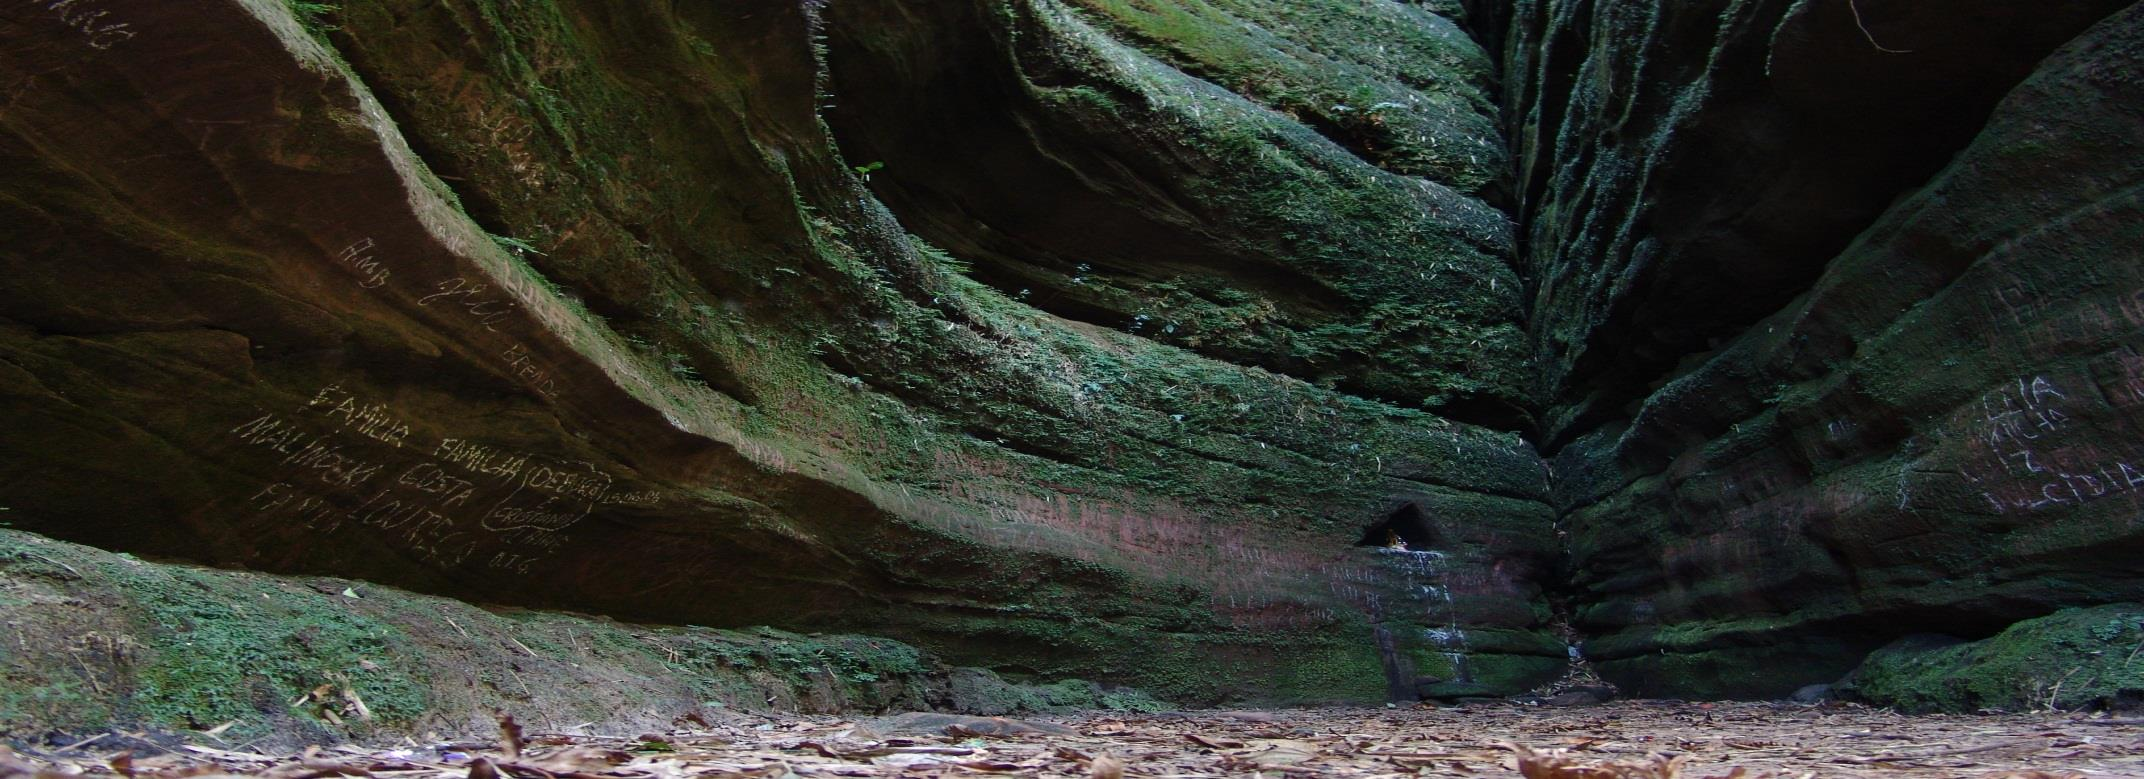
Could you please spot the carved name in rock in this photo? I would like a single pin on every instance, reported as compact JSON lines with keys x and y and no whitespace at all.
{"x":350,"y":463}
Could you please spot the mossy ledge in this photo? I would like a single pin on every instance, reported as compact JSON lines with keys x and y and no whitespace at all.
{"x":2072,"y":660}
{"x":98,"y":640}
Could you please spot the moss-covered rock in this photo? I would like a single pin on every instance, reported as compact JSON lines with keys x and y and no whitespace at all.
{"x":581,"y":305}
{"x":1199,"y":206}
{"x":2072,"y":660}
{"x":101,"y":640}
{"x":983,"y":693}
{"x":1817,"y":385}
{"x":1197,"y":345}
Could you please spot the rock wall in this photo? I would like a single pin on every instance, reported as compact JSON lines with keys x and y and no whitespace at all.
{"x":581,"y":304}
{"x":1123,"y":340}
{"x":1837,"y":308}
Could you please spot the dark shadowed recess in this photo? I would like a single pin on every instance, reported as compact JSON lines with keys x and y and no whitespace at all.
{"x":1806,"y":132}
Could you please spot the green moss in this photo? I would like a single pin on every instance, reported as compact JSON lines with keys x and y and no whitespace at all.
{"x":2074,"y":659}
{"x":982,"y":692}
{"x":954,"y":409}
{"x":218,"y":664}
{"x":107,"y":640}
{"x":1401,"y":87}
{"x":208,"y":648}
{"x":315,"y":17}
{"x":1434,"y":304}
{"x":223,"y":651}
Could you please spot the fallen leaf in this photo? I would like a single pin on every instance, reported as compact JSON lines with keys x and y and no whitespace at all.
{"x":993,"y":767}
{"x":315,"y":769}
{"x":824,"y":750}
{"x":905,"y":760}
{"x":510,"y":742}
{"x":1271,"y":758}
{"x":363,"y":712}
{"x":580,"y":760}
{"x":1558,"y":765}
{"x":1105,"y":767}
{"x":1213,"y":743}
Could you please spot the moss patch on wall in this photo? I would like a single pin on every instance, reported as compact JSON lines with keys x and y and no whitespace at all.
{"x":2079,"y":659}
{"x":98,"y":640}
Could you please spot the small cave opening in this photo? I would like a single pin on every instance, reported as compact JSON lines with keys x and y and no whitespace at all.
{"x":1406,"y":527}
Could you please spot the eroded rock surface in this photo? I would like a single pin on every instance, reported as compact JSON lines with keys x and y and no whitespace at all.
{"x":1875,"y":313}
{"x":577,"y":305}
{"x":1205,"y":345}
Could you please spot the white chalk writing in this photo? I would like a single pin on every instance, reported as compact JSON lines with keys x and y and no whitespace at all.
{"x":371,"y":420}
{"x":318,"y":454}
{"x":480,"y":459}
{"x":2025,"y":458}
{"x":344,"y":461}
{"x":372,"y":273}
{"x":469,"y":296}
{"x":525,"y":367}
{"x":91,"y":19}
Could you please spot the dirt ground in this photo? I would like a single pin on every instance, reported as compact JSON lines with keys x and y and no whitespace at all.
{"x":1627,"y":740}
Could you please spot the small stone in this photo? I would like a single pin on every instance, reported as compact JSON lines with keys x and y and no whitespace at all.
{"x":1581,"y":696}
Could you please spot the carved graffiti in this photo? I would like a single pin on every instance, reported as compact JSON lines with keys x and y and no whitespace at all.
{"x":2023,"y":456}
{"x":91,"y":18}
{"x":343,"y":461}
{"x":371,"y":272}
{"x":471,"y":297}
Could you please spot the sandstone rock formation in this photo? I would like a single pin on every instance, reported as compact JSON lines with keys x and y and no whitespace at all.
{"x":1876,"y":316}
{"x":580,"y":305}
{"x":1122,"y":339}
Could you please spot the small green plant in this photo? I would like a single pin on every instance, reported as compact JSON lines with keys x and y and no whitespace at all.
{"x":681,"y":366}
{"x":314,"y":15}
{"x":821,"y":343}
{"x":867,"y":169}
{"x":940,"y":258}
{"x":515,"y":246}
{"x":2111,"y":630}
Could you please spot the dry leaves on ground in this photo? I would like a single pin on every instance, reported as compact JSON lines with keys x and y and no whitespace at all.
{"x":1630,"y":740}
